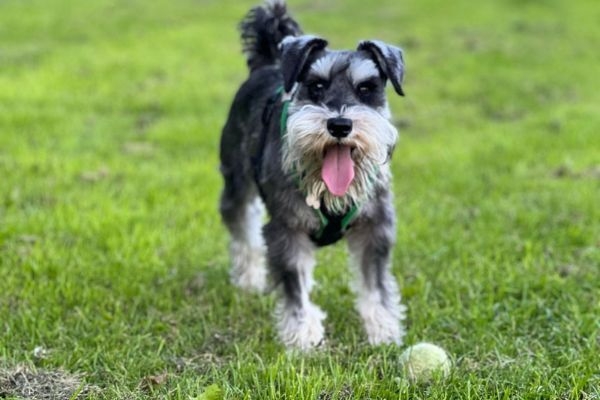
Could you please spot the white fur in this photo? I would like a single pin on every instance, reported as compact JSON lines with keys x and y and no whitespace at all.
{"x":382,"y":316}
{"x":385,"y":111}
{"x":372,"y":137}
{"x":247,"y":251}
{"x":323,"y":66}
{"x":382,"y":322}
{"x":362,"y":70}
{"x":274,"y":3}
{"x":300,"y":328}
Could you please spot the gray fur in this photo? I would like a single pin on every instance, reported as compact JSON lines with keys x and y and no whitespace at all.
{"x":283,"y":169}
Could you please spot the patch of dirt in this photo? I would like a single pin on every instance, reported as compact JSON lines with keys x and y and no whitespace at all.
{"x":195,"y":286}
{"x":346,"y":392}
{"x":151,"y":382}
{"x":138,"y":148}
{"x":147,"y":119}
{"x":38,"y":384}
{"x":96,"y":175}
{"x":565,"y":171}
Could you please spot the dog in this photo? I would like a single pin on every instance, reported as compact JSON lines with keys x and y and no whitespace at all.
{"x":309,"y":138}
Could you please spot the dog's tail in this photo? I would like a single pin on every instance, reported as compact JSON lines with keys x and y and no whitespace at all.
{"x":263,"y":28}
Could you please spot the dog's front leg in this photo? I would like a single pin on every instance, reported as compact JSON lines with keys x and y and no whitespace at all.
{"x":291,"y":262}
{"x":378,"y":299}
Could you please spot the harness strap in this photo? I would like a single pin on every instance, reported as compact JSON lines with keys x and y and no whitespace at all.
{"x":285,"y":105}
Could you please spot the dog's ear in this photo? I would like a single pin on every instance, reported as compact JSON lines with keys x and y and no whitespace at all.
{"x":389,"y":59}
{"x":296,"y":51}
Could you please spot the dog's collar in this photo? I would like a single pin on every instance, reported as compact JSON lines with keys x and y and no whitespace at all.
{"x":332,"y":226}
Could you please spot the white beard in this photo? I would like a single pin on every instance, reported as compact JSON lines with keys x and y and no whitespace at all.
{"x":372,"y":139}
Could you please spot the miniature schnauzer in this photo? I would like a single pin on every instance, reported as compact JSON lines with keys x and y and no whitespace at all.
{"x":309,"y":136}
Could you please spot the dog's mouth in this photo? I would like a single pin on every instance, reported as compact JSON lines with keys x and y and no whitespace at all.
{"x":338,"y":168}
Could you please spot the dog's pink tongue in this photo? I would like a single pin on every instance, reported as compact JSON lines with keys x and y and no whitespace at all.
{"x":338,"y":169}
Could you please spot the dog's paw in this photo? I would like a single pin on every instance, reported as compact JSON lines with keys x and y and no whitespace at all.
{"x":383,"y":324}
{"x":301,"y":328}
{"x":251,"y":280}
{"x":248,"y":270}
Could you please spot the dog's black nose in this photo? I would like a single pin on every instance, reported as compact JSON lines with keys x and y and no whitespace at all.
{"x":339,"y":127}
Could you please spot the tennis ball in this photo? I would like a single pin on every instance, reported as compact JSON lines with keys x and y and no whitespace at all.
{"x":424,"y":361}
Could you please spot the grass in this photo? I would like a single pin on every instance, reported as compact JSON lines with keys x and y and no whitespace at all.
{"x":113,"y":260}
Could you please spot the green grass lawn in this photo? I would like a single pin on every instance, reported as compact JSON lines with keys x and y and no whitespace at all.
{"x":113,"y":261}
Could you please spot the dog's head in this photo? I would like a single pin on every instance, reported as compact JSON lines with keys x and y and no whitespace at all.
{"x":339,"y":135}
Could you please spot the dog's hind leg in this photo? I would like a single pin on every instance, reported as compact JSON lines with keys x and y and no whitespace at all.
{"x":242,"y":212}
{"x":291,"y":261}
{"x":378,"y":299}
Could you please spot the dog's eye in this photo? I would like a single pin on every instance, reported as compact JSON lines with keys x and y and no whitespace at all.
{"x":365,"y":89}
{"x":316,"y":90}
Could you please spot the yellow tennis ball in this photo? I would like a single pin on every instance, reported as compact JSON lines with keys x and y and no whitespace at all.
{"x":423,"y":361}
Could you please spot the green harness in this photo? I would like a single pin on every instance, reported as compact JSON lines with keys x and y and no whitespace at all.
{"x":332,"y":227}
